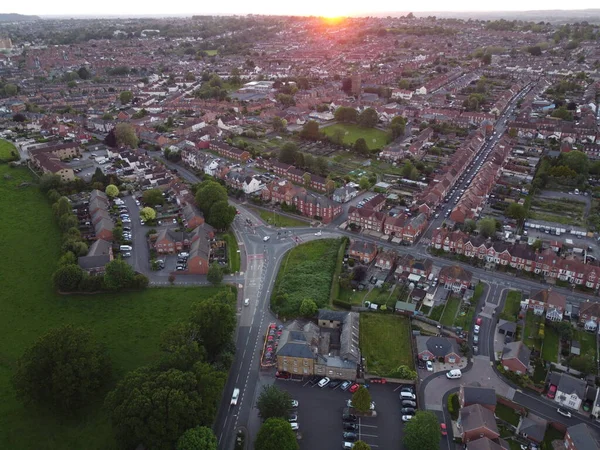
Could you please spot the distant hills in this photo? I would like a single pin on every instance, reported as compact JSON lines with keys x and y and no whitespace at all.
{"x":12,"y":17}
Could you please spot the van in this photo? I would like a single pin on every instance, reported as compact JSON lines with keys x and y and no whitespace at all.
{"x":404,"y":395}
{"x":454,"y":374}
{"x":125,"y":248}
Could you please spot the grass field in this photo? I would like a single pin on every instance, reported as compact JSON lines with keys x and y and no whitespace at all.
{"x":531,"y":334}
{"x":385,"y":343}
{"x":212,"y":52}
{"x":233,"y":252}
{"x":450,"y":312}
{"x":375,"y":138}
{"x":550,"y":348}
{"x":305,"y":272}
{"x":6,"y":149}
{"x":436,"y":312}
{"x":512,"y":306}
{"x":279,"y":220}
{"x":507,"y":414}
{"x":560,"y":210}
{"x":587,"y":341}
{"x":129,"y":324}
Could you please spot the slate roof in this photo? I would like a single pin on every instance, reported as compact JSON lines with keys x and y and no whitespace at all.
{"x":478,"y":395}
{"x":550,"y":297}
{"x":534,"y":427}
{"x":507,"y":326}
{"x":294,"y":344}
{"x":483,"y":444}
{"x":582,"y":437}
{"x":326,"y":314}
{"x":437,"y":345}
{"x":475,"y":416}
{"x":571,"y":385}
{"x":517,"y":350}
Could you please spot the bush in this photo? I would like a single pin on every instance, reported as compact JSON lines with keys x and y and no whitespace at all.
{"x":453,"y":406}
{"x":342,"y":304}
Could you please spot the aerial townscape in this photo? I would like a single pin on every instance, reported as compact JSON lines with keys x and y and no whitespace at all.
{"x":286,"y":232}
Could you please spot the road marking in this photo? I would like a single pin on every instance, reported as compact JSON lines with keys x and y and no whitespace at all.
{"x":369,"y":426}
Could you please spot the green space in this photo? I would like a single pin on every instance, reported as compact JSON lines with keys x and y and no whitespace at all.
{"x":375,"y":138}
{"x":507,"y":414}
{"x":550,"y":348}
{"x":531,"y":333}
{"x":539,"y":373}
{"x":552,"y":434}
{"x":6,"y":151}
{"x":129,"y":324}
{"x":512,"y":306}
{"x":385,"y":343}
{"x":279,"y":220}
{"x":212,"y":52}
{"x":306,"y":272}
{"x":565,"y":211}
{"x":234,"y":257}
{"x":449,"y":314}
{"x":587,"y":342}
{"x":355,"y":297}
{"x":466,"y":313}
{"x":436,"y":312}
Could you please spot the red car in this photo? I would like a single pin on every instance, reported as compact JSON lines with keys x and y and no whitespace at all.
{"x":478,"y":321}
{"x":354,"y":388}
{"x":282,"y":375}
{"x":443,"y":429}
{"x":551,"y":391}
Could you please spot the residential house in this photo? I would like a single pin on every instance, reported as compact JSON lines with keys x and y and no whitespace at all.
{"x":192,"y":216}
{"x":99,"y":255}
{"x":330,"y":319}
{"x":581,"y":437}
{"x":477,"y":395}
{"x":363,"y":251}
{"x":411,"y":265}
{"x":431,"y":348}
{"x":344,"y":194}
{"x":455,"y":278}
{"x":550,"y":302}
{"x":589,"y":315}
{"x":533,"y":427}
{"x":477,"y":422}
{"x":251,"y":185}
{"x":386,"y":259}
{"x":49,"y":160}
{"x":515,"y":357}
{"x":229,"y":152}
{"x":570,"y":391}
{"x":199,"y":259}
{"x":103,"y":229}
{"x":366,"y":219}
{"x":485,"y":443}
{"x":171,"y":241}
{"x":376,"y":203}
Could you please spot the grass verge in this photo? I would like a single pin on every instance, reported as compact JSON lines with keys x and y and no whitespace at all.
{"x":385,"y":343}
{"x":234,"y":257}
{"x":512,"y":306}
{"x":507,"y":414}
{"x":375,"y":138}
{"x":8,"y":152}
{"x":279,"y":220}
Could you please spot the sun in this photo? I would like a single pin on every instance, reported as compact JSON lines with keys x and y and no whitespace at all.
{"x":332,"y":19}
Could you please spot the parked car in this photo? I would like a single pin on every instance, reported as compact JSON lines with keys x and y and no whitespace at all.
{"x":552,"y":391}
{"x":349,"y":436}
{"x":349,"y":418}
{"x":345,"y":385}
{"x":294,"y":426}
{"x":335,"y":384}
{"x":293,"y":418}
{"x":408,"y":411}
{"x":475,"y":339}
{"x":294,"y":403}
{"x":564,"y":412}
{"x":349,"y":404}
{"x":350,"y":426}
{"x":443,"y":429}
{"x":478,"y":321}
{"x":324,"y":382}
{"x":354,"y":388}
{"x":282,"y":375}
{"x":476,"y":329}
{"x":409,"y":404}
{"x":407,"y":389}
{"x":406,"y":418}
{"x":429,"y":366}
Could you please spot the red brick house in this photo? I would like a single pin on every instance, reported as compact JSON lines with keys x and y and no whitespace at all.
{"x":376,"y":203}
{"x":478,"y":422}
{"x":410,"y":265}
{"x":477,"y":395}
{"x":550,"y":302}
{"x":580,"y":437}
{"x":199,"y":259}
{"x":455,"y":278}
{"x":192,"y":216}
{"x":317,"y":207}
{"x":434,"y":348}
{"x":229,"y":152}
{"x":386,"y":259}
{"x":366,"y":219}
{"x":515,"y":357}
{"x":171,"y":241}
{"x":363,"y":251}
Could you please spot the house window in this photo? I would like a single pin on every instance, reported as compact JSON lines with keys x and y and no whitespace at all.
{"x":451,"y":359}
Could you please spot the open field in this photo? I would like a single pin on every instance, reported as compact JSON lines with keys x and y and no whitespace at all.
{"x":305,"y":272}
{"x":375,"y":138}
{"x":449,"y":314}
{"x":565,"y":211}
{"x":279,"y":220}
{"x":6,"y":149}
{"x":129,"y":324}
{"x":385,"y":343}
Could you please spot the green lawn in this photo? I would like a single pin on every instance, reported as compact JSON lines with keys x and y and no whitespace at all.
{"x":449,"y":314}
{"x":129,"y":324}
{"x":587,"y":341}
{"x":305,"y":272}
{"x":375,"y":138}
{"x":233,"y":252}
{"x":212,"y":52}
{"x":436,"y":312}
{"x":279,"y":220}
{"x":507,"y":414}
{"x":385,"y":343}
{"x":552,"y":434}
{"x":6,"y":149}
{"x":531,"y":333}
{"x":551,"y":343}
{"x":354,"y":297}
{"x":512,"y":306}
{"x":465,"y":319}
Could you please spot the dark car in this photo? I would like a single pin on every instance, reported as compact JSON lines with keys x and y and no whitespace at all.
{"x":335,"y":383}
{"x":407,"y":411}
{"x":350,"y":426}
{"x":349,"y":418}
{"x":409,"y":404}
{"x":282,"y":375}
{"x":349,"y":436}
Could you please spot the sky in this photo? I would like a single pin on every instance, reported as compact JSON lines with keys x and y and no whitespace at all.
{"x":327,"y":8}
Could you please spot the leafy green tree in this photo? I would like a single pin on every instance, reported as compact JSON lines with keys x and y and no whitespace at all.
{"x":147,"y":213}
{"x":111,"y":190}
{"x":583,"y":363}
{"x":516,"y":211}
{"x":308,"y":308}
{"x":276,"y":434}
{"x":337,"y":137}
{"x":576,"y":160}
{"x":360,"y":147}
{"x":63,"y":370}
{"x":67,"y":277}
{"x":153,"y":197}
{"x":84,"y":73}
{"x":487,"y":226}
{"x":398,"y":126}
{"x":368,"y":118}
{"x":67,"y":259}
{"x":364,"y":183}
{"x":208,"y":193}
{"x":361,"y":445}
{"x":221,"y":215}
{"x":198,"y":438}
{"x":310,"y":131}
{"x":215,"y":274}
{"x":346,"y":114}
{"x":279,"y":123}
{"x":62,"y":207}
{"x":125,"y":135}
{"x":181,"y":347}
{"x":155,"y":408}
{"x":76,"y":246}
{"x":361,"y":400}
{"x":118,"y":275}
{"x":422,"y":432}
{"x":273,"y":402}
{"x":288,"y":153}
{"x":214,"y":322}
{"x":67,"y":221}
{"x":10,"y":90}
{"x":49,"y":181}
{"x":537,"y":245}
{"x":125,"y":97}
{"x":564,"y":330}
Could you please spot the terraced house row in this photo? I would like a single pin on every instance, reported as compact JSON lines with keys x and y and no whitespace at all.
{"x":518,"y":256}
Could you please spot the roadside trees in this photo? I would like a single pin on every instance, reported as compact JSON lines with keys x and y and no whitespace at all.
{"x":273,"y":402}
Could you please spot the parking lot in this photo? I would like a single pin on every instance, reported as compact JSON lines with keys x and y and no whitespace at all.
{"x":320,"y":415}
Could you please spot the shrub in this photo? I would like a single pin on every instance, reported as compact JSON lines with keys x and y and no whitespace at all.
{"x":453,"y":406}
{"x":342,"y":304}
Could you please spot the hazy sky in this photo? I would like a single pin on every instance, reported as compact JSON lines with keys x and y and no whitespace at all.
{"x":329,"y":8}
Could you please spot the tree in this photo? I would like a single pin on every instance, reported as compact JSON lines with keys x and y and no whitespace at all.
{"x":68,"y":277}
{"x":181,"y":347}
{"x":535,"y":50}
{"x":215,"y":274}
{"x":361,"y":445}
{"x":67,"y":221}
{"x":111,"y":190}
{"x":279,"y":123}
{"x":62,"y":207}
{"x":398,"y":126}
{"x":337,"y":137}
{"x":147,"y":214}
{"x":66,"y":259}
{"x":564,"y":330}
{"x":111,"y":139}
{"x":49,"y":181}
{"x":287,"y":153}
{"x":63,"y":370}
{"x":516,"y":211}
{"x":214,"y":322}
{"x":198,"y":438}
{"x":118,"y":275}
{"x":310,"y":131}
{"x":359,"y":273}
{"x":125,"y":135}
{"x":368,"y":118}
{"x":583,"y":363}
{"x":308,"y":308}
{"x":125,"y":97}
{"x":84,"y":73}
{"x":276,"y":434}
{"x":487,"y":226}
{"x":577,"y":161}
{"x":208,"y":193}
{"x":273,"y":402}
{"x":221,"y":215}
{"x":422,"y":432}
{"x":346,"y":114}
{"x":360,"y":147}
{"x":155,"y":408}
{"x":364,"y":183}
{"x":361,"y":400}
{"x":153,"y":197}
{"x":537,"y":245}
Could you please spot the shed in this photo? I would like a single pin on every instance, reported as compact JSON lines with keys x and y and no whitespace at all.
{"x":575,"y":348}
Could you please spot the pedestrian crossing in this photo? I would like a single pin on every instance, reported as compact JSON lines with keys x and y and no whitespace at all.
{"x":256,"y":256}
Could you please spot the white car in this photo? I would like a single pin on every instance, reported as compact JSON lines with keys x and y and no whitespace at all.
{"x":318,"y":233}
{"x":406,"y":418}
{"x":246,"y":302}
{"x":235,"y":396}
{"x":294,"y":403}
{"x":429,"y":366}
{"x":563,"y":412}
{"x":183,"y":255}
{"x":476,"y":329}
{"x":266,"y":238}
{"x":324,"y":382}
{"x":294,"y":426}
